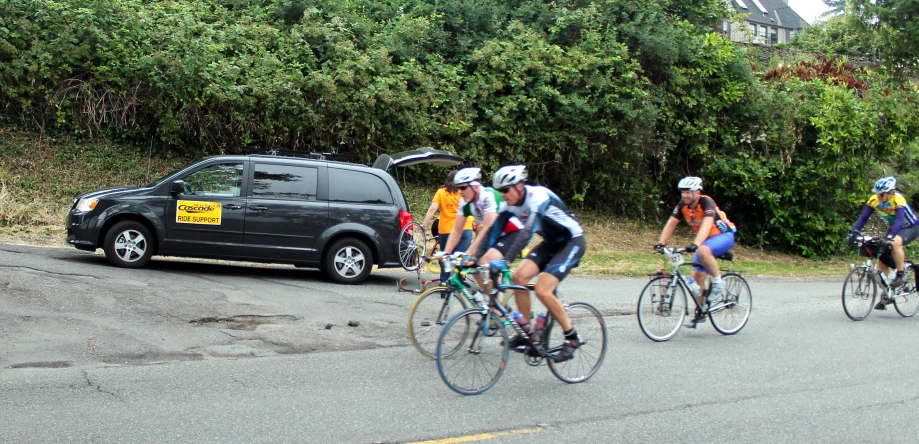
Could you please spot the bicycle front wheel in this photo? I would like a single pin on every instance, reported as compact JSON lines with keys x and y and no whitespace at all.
{"x":588,"y":358}
{"x":429,"y":313}
{"x":858,"y":294}
{"x":471,"y":355}
{"x":412,"y":246}
{"x":907,"y":300}
{"x":661,"y":309}
{"x":736,"y":305}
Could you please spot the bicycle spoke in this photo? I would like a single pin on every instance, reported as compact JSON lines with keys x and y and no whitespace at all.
{"x":589,"y":356}
{"x":429,"y":314}
{"x":858,"y":294}
{"x":661,"y":309}
{"x":481,"y":359}
{"x":731,"y":316}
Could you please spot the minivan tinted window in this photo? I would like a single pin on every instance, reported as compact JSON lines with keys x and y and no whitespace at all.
{"x":357,"y":187}
{"x":222,"y":179}
{"x":284,"y":181}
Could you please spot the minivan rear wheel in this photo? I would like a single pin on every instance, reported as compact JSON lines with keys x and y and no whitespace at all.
{"x":128,"y":244}
{"x":348,"y":261}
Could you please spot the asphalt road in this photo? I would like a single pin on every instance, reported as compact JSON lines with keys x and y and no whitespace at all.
{"x":189,"y":351}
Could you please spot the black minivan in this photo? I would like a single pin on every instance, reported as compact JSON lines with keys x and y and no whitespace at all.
{"x":311,"y":212}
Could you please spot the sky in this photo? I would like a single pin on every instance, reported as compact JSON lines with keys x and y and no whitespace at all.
{"x":809,"y":10}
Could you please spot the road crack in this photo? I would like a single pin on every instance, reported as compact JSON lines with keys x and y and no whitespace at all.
{"x":98,"y":387}
{"x":20,"y":267}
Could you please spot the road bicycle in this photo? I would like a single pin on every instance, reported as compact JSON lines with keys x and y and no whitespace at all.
{"x":662,"y":305}
{"x":474,"y":346}
{"x":415,"y":252}
{"x":860,"y":290}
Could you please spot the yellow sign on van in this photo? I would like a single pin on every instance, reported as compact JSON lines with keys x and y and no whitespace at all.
{"x":195,"y":212}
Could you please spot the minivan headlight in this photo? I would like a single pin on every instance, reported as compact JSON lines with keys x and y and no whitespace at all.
{"x":86,"y":205}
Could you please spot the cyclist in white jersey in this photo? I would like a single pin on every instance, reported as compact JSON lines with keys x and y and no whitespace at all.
{"x":563,"y":244}
{"x":483,"y":204}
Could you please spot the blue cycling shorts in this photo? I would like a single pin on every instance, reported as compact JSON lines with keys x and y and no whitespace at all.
{"x":719,"y":245}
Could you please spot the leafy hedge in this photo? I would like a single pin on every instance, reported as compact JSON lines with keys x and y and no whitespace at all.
{"x":609,"y":102}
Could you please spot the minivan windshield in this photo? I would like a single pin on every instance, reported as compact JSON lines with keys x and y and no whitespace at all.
{"x":162,"y":178}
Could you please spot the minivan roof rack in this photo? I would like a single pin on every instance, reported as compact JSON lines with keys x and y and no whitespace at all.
{"x":263,"y":151}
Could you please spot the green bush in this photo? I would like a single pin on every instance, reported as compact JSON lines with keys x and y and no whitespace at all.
{"x":609,"y":102}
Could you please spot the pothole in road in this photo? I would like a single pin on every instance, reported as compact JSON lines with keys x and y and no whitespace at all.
{"x":243,"y":322}
{"x":46,"y":364}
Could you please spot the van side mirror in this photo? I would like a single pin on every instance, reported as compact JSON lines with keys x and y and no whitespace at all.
{"x":177,"y":187}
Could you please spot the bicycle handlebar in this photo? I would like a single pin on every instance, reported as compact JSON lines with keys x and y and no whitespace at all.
{"x":862,"y":238}
{"x":670,"y":251}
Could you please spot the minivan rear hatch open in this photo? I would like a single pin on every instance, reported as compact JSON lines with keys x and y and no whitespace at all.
{"x":417,"y":156}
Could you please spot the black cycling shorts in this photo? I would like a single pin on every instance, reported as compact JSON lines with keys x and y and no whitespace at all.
{"x":558,"y":259}
{"x":504,"y":243}
{"x":908,"y":234}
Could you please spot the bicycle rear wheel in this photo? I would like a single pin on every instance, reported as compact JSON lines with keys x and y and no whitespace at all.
{"x":858,"y":294}
{"x":412,"y":246}
{"x":739,"y":302}
{"x":588,"y":358}
{"x":907,"y":301}
{"x":481,"y":352}
{"x":661,"y":310}
{"x":429,"y":313}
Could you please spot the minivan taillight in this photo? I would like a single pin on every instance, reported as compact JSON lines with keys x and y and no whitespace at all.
{"x":404,"y":218}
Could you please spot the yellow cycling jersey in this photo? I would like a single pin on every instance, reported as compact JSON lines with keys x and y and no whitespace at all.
{"x":888,"y":210}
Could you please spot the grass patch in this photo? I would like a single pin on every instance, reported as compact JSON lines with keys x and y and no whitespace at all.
{"x":38,"y":181}
{"x":621,"y":247}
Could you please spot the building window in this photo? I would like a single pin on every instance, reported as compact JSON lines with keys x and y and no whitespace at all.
{"x":762,"y":31}
{"x":791,"y":35}
{"x":774,"y":36}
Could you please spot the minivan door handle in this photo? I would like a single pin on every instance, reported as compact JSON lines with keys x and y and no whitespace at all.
{"x":258,"y":208}
{"x":232,"y":207}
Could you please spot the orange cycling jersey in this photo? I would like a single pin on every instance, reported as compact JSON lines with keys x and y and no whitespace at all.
{"x":705,"y":207}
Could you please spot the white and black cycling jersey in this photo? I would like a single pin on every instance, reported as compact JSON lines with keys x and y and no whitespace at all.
{"x":543,"y":212}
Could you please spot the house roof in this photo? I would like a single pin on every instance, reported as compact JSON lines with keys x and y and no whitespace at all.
{"x":778,"y":13}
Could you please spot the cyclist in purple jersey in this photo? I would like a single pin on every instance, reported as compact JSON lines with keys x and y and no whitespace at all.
{"x":903,"y":228}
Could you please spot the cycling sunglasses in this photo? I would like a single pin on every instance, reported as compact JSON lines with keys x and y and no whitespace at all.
{"x":504,"y":190}
{"x":462,"y":187}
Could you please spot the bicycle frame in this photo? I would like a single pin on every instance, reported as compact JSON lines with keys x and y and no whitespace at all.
{"x":504,"y":313}
{"x":677,"y":260}
{"x":868,"y":241}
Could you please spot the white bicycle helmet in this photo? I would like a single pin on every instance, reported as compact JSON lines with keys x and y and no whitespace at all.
{"x":691,"y":183}
{"x":884,"y":185}
{"x":509,"y":175}
{"x":467,"y":175}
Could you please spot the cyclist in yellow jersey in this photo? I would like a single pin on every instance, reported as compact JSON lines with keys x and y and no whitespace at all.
{"x":904,"y":228}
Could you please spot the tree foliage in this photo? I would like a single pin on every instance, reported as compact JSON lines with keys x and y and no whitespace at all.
{"x":609,"y":102}
{"x":896,"y":24}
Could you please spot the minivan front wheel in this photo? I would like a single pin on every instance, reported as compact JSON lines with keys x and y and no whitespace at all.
{"x":128,"y":244}
{"x":348,"y":261}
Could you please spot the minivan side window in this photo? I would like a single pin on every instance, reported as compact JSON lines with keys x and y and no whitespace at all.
{"x":357,"y":187}
{"x":222,"y":179}
{"x":285,"y":182}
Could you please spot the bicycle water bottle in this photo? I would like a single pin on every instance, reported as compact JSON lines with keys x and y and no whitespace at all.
{"x":538,"y":328}
{"x":694,"y":287}
{"x":521,"y":321}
